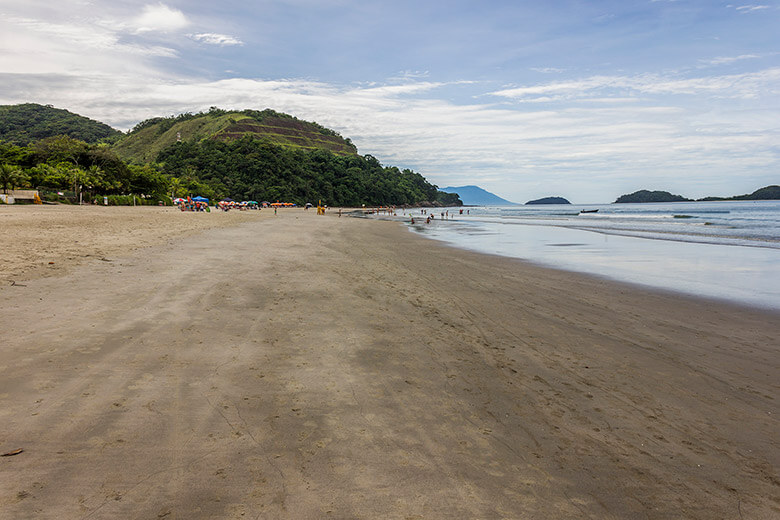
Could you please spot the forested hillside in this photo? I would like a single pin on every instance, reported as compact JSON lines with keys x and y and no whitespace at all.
{"x":144,"y":142}
{"x":23,"y":124}
{"x":258,"y":170}
{"x":765,"y":193}
{"x":246,"y":155}
{"x":649,"y":196}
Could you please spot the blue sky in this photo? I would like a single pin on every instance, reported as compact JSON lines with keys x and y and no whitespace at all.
{"x":586,"y":100}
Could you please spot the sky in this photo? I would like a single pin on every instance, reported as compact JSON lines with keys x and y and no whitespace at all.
{"x":586,"y":100}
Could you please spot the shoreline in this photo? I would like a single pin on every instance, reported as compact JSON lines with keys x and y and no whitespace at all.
{"x":697,"y":299}
{"x":305,"y":367}
{"x":717,"y":272}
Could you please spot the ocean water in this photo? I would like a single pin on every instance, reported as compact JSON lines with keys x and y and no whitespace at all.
{"x":721,"y":250}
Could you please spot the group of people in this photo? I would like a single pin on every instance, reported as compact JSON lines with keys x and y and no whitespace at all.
{"x":444,"y":215}
{"x":194,"y":206}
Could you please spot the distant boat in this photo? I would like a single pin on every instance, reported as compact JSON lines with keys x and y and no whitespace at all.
{"x":589,"y":210}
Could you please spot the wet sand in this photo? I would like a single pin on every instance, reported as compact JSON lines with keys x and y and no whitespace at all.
{"x":315,"y":367}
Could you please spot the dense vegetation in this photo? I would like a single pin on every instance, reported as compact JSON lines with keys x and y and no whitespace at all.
{"x":79,"y":170}
{"x":248,"y":155}
{"x":23,"y":124}
{"x":766,"y":193}
{"x":548,"y":200}
{"x":252,"y":169}
{"x":650,"y":196}
{"x":148,"y":138}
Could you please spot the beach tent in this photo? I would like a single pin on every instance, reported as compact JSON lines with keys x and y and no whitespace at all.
{"x":200,"y":199}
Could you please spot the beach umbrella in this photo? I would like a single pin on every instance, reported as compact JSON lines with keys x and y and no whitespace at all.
{"x":227,"y":199}
{"x":200,"y":199}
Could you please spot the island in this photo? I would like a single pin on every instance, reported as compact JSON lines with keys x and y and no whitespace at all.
{"x":650,"y":196}
{"x":548,"y":200}
{"x":765,"y":193}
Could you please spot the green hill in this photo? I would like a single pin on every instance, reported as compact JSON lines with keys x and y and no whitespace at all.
{"x":244,"y":155}
{"x":28,"y":122}
{"x":765,"y":193}
{"x":144,"y":142}
{"x":548,"y":200}
{"x":650,"y":196}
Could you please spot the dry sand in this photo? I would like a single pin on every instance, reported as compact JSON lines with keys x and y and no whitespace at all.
{"x":307,"y":367}
{"x":46,"y":240}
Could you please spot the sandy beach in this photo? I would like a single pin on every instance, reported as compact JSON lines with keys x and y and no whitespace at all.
{"x":48,"y":240}
{"x":246,"y":365}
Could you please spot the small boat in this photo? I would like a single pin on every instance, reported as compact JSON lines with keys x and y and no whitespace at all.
{"x":589,"y":210}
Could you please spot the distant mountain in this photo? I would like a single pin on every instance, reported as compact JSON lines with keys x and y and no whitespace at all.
{"x":549,"y":200}
{"x":144,"y":142}
{"x":22,"y":124}
{"x":650,"y":196}
{"x":476,"y":196}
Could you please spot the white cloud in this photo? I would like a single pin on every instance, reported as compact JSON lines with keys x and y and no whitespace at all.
{"x":73,"y":34}
{"x":735,"y":86}
{"x":749,"y":8}
{"x":547,"y":70}
{"x":72,"y":47}
{"x":725,"y":60}
{"x":216,"y":39}
{"x":160,"y":17}
{"x":406,"y":75}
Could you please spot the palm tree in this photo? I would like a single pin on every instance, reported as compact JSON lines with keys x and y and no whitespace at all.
{"x":11,"y":177}
{"x":176,"y":186}
{"x":94,"y":177}
{"x":78,"y":177}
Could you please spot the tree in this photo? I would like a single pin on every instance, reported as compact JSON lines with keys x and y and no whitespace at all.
{"x":11,"y":177}
{"x":77,"y":177}
{"x":176,"y":187}
{"x":54,"y":150}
